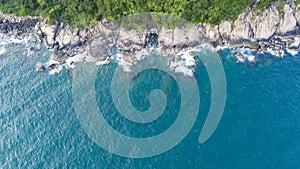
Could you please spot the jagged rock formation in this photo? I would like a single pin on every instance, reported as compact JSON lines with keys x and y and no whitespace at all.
{"x":250,"y":30}
{"x":10,"y":24}
{"x":288,"y":23}
{"x":62,"y":40}
{"x":225,"y":29}
{"x":265,"y":25}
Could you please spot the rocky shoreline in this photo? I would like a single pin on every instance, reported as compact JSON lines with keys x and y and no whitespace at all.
{"x":263,"y":31}
{"x":17,"y":26}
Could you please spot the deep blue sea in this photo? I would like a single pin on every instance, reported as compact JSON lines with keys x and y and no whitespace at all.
{"x":260,"y":126}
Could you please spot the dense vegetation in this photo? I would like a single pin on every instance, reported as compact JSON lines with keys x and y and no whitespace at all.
{"x":264,"y":4}
{"x":81,"y":12}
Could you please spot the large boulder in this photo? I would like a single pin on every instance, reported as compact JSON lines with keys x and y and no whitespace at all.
{"x":49,"y":33}
{"x":266,"y":24}
{"x":76,"y":37}
{"x":242,"y":27}
{"x":212,"y":32}
{"x":130,"y":40}
{"x":288,"y":23}
{"x":194,"y":37}
{"x":225,"y":28}
{"x":165,"y":40}
{"x":64,"y":38}
{"x":297,"y":13}
{"x":179,"y":39}
{"x":172,"y":41}
{"x":110,"y":32}
{"x":99,"y":49}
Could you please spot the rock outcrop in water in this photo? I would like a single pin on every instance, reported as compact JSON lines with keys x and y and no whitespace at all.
{"x":63,"y":41}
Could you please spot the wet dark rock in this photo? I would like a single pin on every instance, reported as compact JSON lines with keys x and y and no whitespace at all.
{"x":53,"y":66}
{"x":40,"y":67}
{"x":33,"y":49}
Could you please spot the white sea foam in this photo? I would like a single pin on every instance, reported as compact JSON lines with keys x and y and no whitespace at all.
{"x":277,"y":53}
{"x":247,"y":54}
{"x":271,"y":51}
{"x":140,"y":55}
{"x":218,"y":48}
{"x":251,"y":58}
{"x":125,"y":65}
{"x":104,"y":62}
{"x":9,"y":39}
{"x":187,"y":63}
{"x":292,"y":52}
{"x":72,"y":61}
{"x":28,"y":41}
{"x":240,"y":60}
{"x":188,"y":59}
{"x":186,"y":71}
{"x":184,"y":65}
{"x":2,"y":50}
{"x":50,"y":62}
{"x":54,"y":70}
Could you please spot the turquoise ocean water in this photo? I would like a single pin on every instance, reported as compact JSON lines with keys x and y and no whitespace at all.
{"x":260,"y":127}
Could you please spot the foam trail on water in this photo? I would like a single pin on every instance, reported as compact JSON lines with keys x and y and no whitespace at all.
{"x":218,"y":48}
{"x":9,"y":39}
{"x":125,"y":65}
{"x":2,"y":50}
{"x":188,"y":59}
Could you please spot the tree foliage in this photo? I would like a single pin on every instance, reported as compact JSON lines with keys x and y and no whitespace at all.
{"x":82,"y":12}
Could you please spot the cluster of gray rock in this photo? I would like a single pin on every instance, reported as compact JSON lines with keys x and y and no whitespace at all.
{"x":249,"y":30}
{"x":17,"y":26}
{"x":61,"y":39}
{"x":252,"y":27}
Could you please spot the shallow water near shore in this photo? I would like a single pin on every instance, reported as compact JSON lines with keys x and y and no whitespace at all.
{"x":259,"y":128}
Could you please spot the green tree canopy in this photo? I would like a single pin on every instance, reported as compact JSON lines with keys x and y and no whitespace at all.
{"x":82,"y":12}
